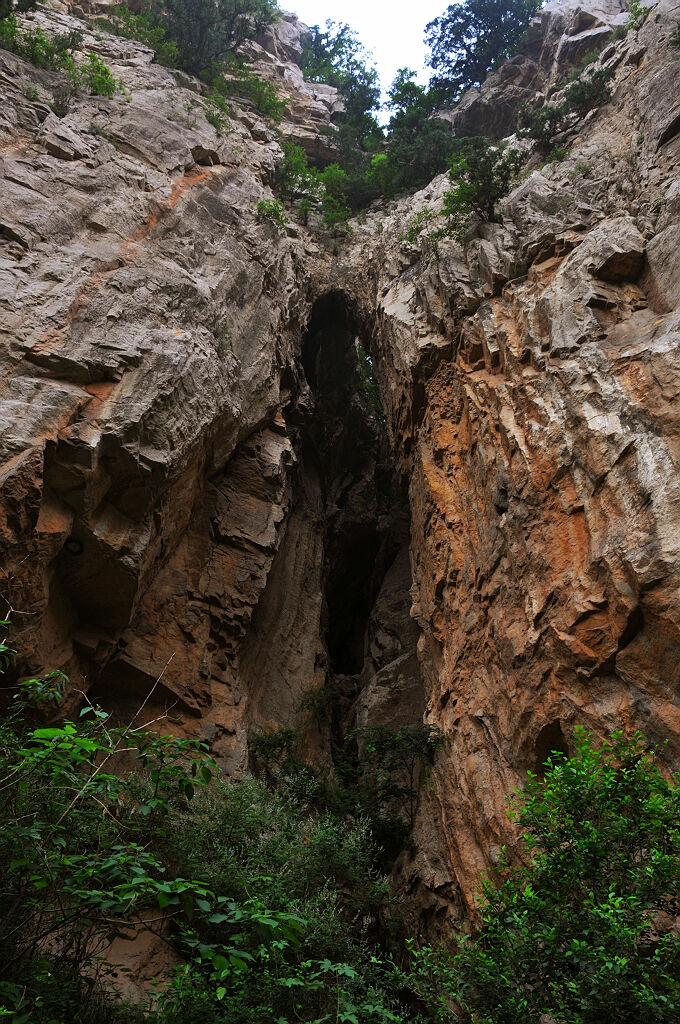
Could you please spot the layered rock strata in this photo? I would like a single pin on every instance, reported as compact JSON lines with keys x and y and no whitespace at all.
{"x":197,"y":502}
{"x":533,"y":379}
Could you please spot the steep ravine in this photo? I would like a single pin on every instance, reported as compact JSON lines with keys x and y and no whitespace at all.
{"x":198,"y":500}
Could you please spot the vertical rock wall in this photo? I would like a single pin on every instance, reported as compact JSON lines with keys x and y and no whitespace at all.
{"x":198,"y":502}
{"x":533,"y":377}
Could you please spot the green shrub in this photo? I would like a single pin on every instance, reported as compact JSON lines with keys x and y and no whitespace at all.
{"x":674,"y":37}
{"x":94,"y":77}
{"x":295,"y":179}
{"x":336,"y":56}
{"x":272,"y":210}
{"x":145,"y":27}
{"x":637,"y":14}
{"x":589,"y":92}
{"x":480,"y":175}
{"x":583,"y":94}
{"x":418,"y":143}
{"x":32,"y":44}
{"x":55,"y":53}
{"x":233,"y":77}
{"x":268,"y":905}
{"x":472,"y":37}
{"x":577,"y":936}
{"x":217,"y":110}
{"x":334,"y":206}
{"x":421,"y":230}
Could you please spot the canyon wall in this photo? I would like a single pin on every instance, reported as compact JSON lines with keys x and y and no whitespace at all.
{"x":200,"y":508}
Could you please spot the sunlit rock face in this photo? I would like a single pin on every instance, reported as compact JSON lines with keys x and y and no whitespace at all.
{"x":200,"y":509}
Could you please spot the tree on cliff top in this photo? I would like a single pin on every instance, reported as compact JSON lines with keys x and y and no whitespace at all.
{"x":207,"y":31}
{"x":472,"y":37}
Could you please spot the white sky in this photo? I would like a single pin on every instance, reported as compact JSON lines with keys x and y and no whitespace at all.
{"x":392,"y":30}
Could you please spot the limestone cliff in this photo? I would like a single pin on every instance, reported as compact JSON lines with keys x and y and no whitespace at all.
{"x":197,"y":501}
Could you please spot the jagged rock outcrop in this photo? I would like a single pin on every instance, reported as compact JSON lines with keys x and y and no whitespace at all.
{"x":197,"y":503}
{"x":533,"y":378}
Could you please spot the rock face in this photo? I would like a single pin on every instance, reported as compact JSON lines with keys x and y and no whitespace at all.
{"x":534,"y":377}
{"x":202,"y":507}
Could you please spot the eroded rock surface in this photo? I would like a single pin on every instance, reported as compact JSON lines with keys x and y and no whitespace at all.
{"x":198,"y":504}
{"x":534,"y":376}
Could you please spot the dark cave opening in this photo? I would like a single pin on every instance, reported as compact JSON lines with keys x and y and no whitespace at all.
{"x":362,"y":505}
{"x":551,"y":739}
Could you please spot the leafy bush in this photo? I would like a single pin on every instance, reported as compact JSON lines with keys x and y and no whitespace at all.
{"x":271,"y":210}
{"x":335,"y":209}
{"x":267,"y":904}
{"x":583,"y":94}
{"x":94,"y":76}
{"x":55,"y":53}
{"x":637,"y":14}
{"x":418,"y":143}
{"x":312,"y":190}
{"x":207,"y":31}
{"x":583,"y":933}
{"x":480,"y":175}
{"x":573,"y":935}
{"x":336,"y":56}
{"x":145,"y":27}
{"x":591,"y":91}
{"x":674,"y":37}
{"x":233,"y":77}
{"x":32,"y":44}
{"x":472,"y":37}
{"x":217,"y":110}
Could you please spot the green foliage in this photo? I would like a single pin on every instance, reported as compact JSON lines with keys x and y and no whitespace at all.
{"x":146,"y":27}
{"x":577,"y":935}
{"x":233,"y":77}
{"x":335,"y":209}
{"x":637,"y":14}
{"x":8,"y":7}
{"x":268,"y":904}
{"x":558,"y":153}
{"x":472,"y":37}
{"x":312,"y":190}
{"x":205,"y":32}
{"x":30,"y":91}
{"x":423,"y":232}
{"x":336,"y":56}
{"x":295,"y":179}
{"x":480,"y":175}
{"x":584,"y":93}
{"x":674,"y":37}
{"x":217,"y":110}
{"x":94,"y":77}
{"x":55,"y":53}
{"x":591,"y":91}
{"x":272,"y":211}
{"x":418,"y":143}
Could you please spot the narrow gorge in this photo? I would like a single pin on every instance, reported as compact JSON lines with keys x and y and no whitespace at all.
{"x":435,"y":482}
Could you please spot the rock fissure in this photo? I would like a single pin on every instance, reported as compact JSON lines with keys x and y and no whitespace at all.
{"x":197,"y":479}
